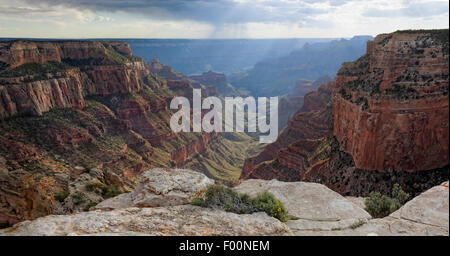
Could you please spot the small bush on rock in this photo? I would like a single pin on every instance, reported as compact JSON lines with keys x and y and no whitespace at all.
{"x":78,"y":197}
{"x":380,"y":206}
{"x":224,"y":198}
{"x":107,"y":191}
{"x":400,"y":195}
{"x":269,"y":204}
{"x":61,"y":196}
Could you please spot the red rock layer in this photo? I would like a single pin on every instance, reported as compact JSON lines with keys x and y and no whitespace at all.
{"x":96,"y":114}
{"x":69,"y":89}
{"x":16,"y":53}
{"x":402,"y":124}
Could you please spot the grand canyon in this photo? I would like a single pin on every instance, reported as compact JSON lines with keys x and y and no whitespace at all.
{"x":224,"y":118}
{"x":83,"y":121}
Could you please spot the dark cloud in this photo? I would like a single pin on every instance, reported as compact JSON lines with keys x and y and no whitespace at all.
{"x":219,"y":11}
{"x":411,"y":10}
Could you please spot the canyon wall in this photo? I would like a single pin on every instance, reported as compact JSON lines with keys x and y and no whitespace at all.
{"x":383,"y":120}
{"x":390,"y":108}
{"x":37,"y":76}
{"x":79,"y":122}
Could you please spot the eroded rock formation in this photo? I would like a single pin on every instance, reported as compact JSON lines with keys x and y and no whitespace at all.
{"x":383,"y":120}
{"x":68,"y":108}
{"x":390,"y":108}
{"x":314,"y":209}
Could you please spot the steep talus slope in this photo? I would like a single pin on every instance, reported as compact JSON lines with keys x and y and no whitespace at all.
{"x":386,"y":122}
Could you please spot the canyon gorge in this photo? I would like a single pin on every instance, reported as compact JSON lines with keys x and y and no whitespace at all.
{"x":81,"y":121}
{"x":382,"y":120}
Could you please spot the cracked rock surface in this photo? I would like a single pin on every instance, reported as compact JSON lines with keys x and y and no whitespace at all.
{"x":313,"y":206}
{"x":315,"y":210}
{"x":183,"y":220}
{"x":161,"y":187}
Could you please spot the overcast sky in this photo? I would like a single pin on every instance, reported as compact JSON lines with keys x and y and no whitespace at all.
{"x":216,"y":19}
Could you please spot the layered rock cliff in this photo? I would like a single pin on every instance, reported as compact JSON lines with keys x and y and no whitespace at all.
{"x":391,"y":106}
{"x":79,"y":122}
{"x":384,"y":119}
{"x":38,"y":76}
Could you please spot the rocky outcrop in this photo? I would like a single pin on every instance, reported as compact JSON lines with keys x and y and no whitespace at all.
{"x":314,"y":210}
{"x":171,"y":188}
{"x":429,"y":208}
{"x":182,"y":220}
{"x":162,"y":187}
{"x":425,"y":215}
{"x":39,"y":76}
{"x":312,"y":206}
{"x":390,"y":108}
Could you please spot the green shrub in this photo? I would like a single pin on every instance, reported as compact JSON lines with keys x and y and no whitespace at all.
{"x":198,"y":201}
{"x":111,"y":191}
{"x":269,"y":204}
{"x":399,"y":194}
{"x":95,"y":185}
{"x":225,"y":198}
{"x":61,"y":196}
{"x":89,"y":206}
{"x":380,"y":206}
{"x":107,"y":191}
{"x":78,"y":197}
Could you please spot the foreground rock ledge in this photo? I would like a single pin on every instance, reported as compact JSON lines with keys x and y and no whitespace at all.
{"x":313,"y":206}
{"x":161,"y":187}
{"x":425,"y":215}
{"x":316,"y":210}
{"x":183,"y":220}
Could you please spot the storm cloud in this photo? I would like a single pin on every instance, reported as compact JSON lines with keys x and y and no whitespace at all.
{"x":215,"y":12}
{"x":218,"y":18}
